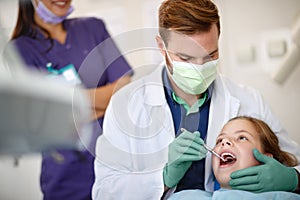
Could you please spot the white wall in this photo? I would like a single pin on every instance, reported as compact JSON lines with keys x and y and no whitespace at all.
{"x":244,"y":23}
{"x":247,"y":23}
{"x":20,"y":181}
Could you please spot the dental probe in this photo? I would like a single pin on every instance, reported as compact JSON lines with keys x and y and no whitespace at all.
{"x":212,"y":151}
{"x":208,"y":148}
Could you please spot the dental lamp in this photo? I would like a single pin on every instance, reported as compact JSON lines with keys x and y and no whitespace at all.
{"x":292,"y":59}
{"x":39,"y":114}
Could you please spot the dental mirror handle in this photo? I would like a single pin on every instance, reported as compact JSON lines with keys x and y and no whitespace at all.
{"x":212,"y":151}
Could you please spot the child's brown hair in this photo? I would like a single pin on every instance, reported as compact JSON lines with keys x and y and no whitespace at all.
{"x":269,"y":140}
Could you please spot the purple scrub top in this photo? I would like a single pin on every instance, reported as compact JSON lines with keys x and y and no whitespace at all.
{"x":68,"y":174}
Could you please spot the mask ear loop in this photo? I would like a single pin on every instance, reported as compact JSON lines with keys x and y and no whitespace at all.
{"x":168,"y":56}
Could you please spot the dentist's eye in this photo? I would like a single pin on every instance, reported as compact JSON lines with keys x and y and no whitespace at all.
{"x":207,"y":59}
{"x":185,"y":59}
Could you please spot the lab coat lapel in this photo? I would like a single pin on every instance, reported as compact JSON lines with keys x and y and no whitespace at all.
{"x":223,"y":107}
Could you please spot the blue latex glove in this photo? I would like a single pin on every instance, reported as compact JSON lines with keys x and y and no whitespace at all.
{"x":185,"y":149}
{"x":270,"y":176}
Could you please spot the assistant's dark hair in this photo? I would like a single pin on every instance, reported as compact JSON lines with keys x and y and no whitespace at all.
{"x":26,"y":25}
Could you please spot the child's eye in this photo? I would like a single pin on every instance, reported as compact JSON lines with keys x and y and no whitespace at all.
{"x":219,"y":141}
{"x":243,"y":138}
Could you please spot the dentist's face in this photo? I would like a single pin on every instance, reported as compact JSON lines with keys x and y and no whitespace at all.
{"x":58,"y":7}
{"x":198,"y":48}
{"x":235,"y":143}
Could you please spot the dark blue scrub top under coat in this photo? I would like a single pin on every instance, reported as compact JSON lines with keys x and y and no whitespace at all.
{"x":194,"y":177}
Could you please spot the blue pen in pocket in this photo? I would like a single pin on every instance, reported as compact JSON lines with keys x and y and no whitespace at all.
{"x":51,"y":70}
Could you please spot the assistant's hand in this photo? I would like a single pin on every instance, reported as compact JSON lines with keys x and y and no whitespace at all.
{"x":185,"y":149}
{"x":270,"y":176}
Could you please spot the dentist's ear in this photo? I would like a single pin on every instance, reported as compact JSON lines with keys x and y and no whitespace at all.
{"x":161,"y":46}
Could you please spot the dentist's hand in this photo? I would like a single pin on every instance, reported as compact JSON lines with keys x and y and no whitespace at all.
{"x":270,"y":176}
{"x":185,"y":149}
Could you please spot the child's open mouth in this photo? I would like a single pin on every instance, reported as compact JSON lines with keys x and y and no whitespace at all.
{"x":229,"y":159}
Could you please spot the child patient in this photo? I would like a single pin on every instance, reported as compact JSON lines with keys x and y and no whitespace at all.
{"x":235,"y":144}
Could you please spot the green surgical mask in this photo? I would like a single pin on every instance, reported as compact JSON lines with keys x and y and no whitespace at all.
{"x":194,"y":78}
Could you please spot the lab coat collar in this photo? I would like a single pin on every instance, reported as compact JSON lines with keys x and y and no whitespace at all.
{"x":223,"y":105}
{"x":154,"y":85}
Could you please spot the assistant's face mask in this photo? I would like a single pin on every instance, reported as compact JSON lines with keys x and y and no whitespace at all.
{"x":193,"y":78}
{"x":47,"y":16}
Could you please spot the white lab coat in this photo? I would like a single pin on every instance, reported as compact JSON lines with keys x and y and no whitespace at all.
{"x":138,"y":126}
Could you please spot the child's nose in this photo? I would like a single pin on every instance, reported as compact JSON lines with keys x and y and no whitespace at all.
{"x":226,"y":142}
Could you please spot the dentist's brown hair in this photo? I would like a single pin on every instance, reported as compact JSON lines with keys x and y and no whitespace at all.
{"x":187,"y":17}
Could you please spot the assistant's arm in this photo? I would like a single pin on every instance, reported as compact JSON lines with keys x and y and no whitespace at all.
{"x":100,"y":96}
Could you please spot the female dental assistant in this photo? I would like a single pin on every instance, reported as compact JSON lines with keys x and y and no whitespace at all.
{"x":44,"y":37}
